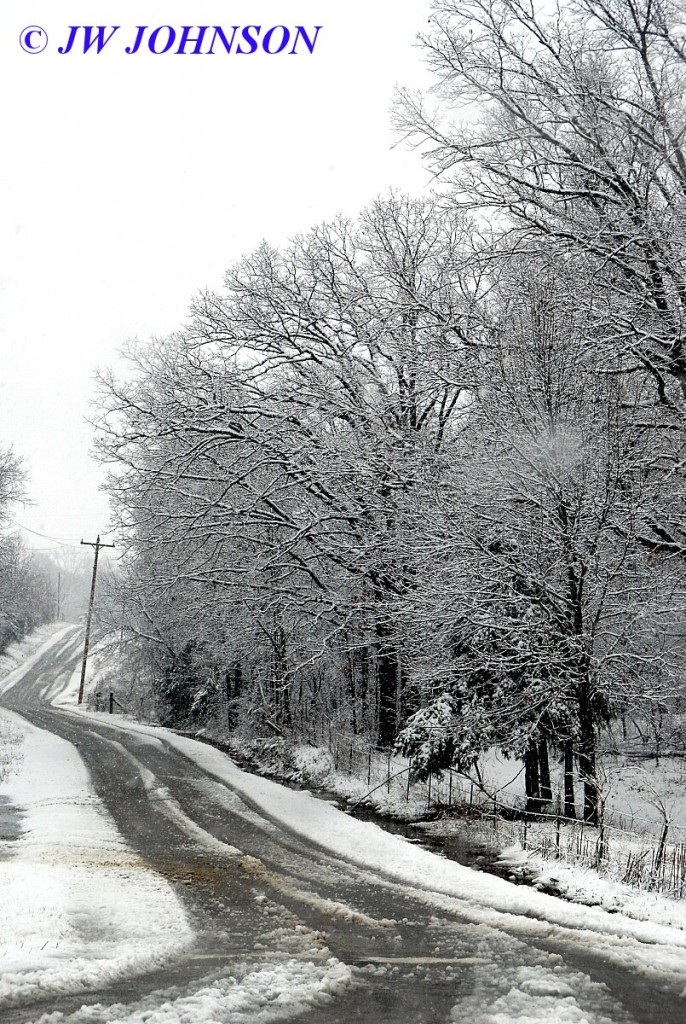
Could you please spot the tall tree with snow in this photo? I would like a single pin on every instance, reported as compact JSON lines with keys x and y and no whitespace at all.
{"x":549,"y":616}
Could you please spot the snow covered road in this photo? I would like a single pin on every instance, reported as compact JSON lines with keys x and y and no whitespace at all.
{"x":79,"y":907}
{"x":169,"y":886}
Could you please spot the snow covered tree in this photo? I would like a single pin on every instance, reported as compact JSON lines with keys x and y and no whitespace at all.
{"x":12,"y":483}
{"x":548,"y":615}
{"x":566,"y":124}
{"x":25,"y":593}
{"x":272,"y":446}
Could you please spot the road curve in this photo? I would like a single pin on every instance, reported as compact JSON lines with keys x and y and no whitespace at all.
{"x":254,"y":891}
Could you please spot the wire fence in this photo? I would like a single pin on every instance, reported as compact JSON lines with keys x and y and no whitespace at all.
{"x":635,"y":850}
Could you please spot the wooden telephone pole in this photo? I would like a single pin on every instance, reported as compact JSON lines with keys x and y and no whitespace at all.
{"x":97,"y":545}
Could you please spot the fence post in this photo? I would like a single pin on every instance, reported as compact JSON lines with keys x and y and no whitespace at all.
{"x":659,"y":856}
{"x":602,"y":851}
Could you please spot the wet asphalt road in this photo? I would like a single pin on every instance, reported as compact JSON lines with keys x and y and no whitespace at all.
{"x":412,"y":961}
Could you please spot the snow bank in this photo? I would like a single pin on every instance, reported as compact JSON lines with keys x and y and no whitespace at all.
{"x":79,"y":909}
{"x":584,"y":885}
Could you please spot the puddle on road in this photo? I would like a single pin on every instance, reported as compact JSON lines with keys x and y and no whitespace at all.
{"x":10,"y":825}
{"x":462,"y":847}
{"x":466,"y":848}
{"x":469,"y":847}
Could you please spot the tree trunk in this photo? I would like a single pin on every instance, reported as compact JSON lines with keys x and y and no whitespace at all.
{"x":281,"y":688}
{"x":544,"y":772}
{"x":387,"y":686}
{"x":362,"y":688}
{"x":587,"y":754}
{"x":234,"y":685}
{"x":570,"y":801}
{"x":387,"y":678}
{"x":349,"y":685}
{"x":532,"y":781}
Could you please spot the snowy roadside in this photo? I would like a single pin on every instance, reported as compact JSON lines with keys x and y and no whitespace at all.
{"x":244,"y":995}
{"x":79,"y":909}
{"x":574,"y":883}
{"x":314,"y":768}
{"x":20,"y":657}
{"x":655,"y":947}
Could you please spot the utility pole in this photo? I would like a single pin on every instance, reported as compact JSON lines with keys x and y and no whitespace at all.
{"x":97,"y":545}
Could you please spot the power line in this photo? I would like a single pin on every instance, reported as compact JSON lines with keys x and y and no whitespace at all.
{"x":56,"y":540}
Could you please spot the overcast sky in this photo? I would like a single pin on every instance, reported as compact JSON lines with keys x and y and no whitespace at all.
{"x":129,"y":182}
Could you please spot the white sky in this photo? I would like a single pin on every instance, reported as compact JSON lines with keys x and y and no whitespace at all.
{"x":129,"y":182}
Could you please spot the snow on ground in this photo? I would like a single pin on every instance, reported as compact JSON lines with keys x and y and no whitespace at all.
{"x":533,"y":995}
{"x":243,"y":995}
{"x":20,"y":657}
{"x":637,"y":791}
{"x":559,"y":858}
{"x":559,"y":868}
{"x":292,"y":971}
{"x":10,"y":750}
{"x":368,"y":784}
{"x":71,"y":850}
{"x":78,"y":908}
{"x":357,"y":774}
{"x":571,"y":880}
{"x":650,"y":947}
